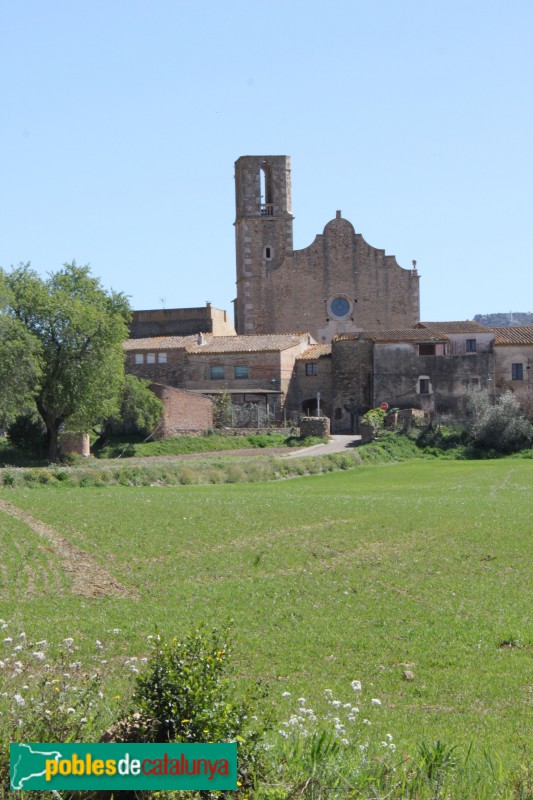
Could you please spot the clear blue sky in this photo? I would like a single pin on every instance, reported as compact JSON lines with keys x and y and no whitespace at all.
{"x":120,"y":123}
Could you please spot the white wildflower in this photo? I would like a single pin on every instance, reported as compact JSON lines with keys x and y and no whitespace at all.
{"x":366,"y":722}
{"x":375,"y":701}
{"x":19,"y":700}
{"x":336,"y":703}
{"x":328,"y":692}
{"x":356,"y":686}
{"x":71,"y":710}
{"x":286,"y":694}
{"x":8,"y":639}
{"x":39,"y":655}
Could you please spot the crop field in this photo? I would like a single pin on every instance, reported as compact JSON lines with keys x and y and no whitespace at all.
{"x":424,"y":567}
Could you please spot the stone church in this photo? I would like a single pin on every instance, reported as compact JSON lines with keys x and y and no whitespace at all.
{"x":333,"y":327}
{"x":338,"y":284}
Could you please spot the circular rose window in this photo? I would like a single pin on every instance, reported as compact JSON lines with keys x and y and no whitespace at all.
{"x":339,"y":306}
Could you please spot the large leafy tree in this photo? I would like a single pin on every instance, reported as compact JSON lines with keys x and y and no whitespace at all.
{"x":76,"y":330}
{"x":19,"y":365}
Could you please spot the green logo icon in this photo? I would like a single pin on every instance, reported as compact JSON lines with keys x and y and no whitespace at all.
{"x":123,"y":766}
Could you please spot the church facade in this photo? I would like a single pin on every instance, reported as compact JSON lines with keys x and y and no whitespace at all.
{"x":339,"y":284}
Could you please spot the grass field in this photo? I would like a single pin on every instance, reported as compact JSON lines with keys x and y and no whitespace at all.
{"x":425,"y":566}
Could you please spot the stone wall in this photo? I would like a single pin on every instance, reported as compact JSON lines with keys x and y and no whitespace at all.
{"x":351,"y":383}
{"x":180,"y":322}
{"x":309,"y":385}
{"x":314,"y":426}
{"x":436,"y":384}
{"x":74,"y":442}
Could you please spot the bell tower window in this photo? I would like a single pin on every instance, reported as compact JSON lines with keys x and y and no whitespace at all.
{"x":265,"y":176}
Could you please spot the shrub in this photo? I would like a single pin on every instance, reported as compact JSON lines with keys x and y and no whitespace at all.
{"x":28,"y":434}
{"x":502,"y":427}
{"x":187,"y":695}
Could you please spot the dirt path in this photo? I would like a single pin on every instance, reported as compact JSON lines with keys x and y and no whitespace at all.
{"x":88,"y":577}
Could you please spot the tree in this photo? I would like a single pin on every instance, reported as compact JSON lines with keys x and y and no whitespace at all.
{"x":139,"y":411}
{"x":19,"y":361}
{"x":222,"y":409}
{"x":76,"y":330}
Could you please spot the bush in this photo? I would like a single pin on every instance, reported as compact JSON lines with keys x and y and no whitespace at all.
{"x":501,"y":427}
{"x":28,"y":434}
{"x":187,"y":695}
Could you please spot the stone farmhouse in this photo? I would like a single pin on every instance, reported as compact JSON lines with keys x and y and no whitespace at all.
{"x":331,"y":329}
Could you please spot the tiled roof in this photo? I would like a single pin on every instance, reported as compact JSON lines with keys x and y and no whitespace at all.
{"x":514,"y":334}
{"x":218,"y":344}
{"x":399,"y":335}
{"x":315,"y":351}
{"x":246,"y":344}
{"x":159,"y":342}
{"x":461,"y":326}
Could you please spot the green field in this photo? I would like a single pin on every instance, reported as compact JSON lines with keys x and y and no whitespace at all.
{"x":424,"y":566}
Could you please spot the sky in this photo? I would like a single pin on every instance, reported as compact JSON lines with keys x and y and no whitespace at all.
{"x":121,"y":121}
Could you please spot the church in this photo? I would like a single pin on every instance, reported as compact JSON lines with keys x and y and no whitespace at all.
{"x":333,"y":328}
{"x":338,"y":284}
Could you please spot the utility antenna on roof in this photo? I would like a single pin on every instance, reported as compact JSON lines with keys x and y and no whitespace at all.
{"x":162,"y":300}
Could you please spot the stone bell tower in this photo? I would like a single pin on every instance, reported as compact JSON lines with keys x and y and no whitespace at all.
{"x":263,"y":232}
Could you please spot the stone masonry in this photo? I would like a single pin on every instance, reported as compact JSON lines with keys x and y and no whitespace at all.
{"x":338,"y":284}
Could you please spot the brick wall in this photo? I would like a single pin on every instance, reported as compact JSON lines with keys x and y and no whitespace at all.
{"x":171,"y":373}
{"x":183,"y":411}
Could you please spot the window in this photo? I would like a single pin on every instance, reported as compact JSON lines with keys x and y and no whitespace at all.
{"x":517,"y":372}
{"x":426,"y":350}
{"x":139,"y":358}
{"x":150,"y":358}
{"x":471,"y":345}
{"x":242,"y":372}
{"x":268,"y":253}
{"x":423,"y":385}
{"x":216,"y":373}
{"x":475,"y":382}
{"x":162,"y":358}
{"x":311,"y":369}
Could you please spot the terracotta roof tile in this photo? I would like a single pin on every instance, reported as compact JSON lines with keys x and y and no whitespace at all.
{"x":514,"y":334}
{"x":159,"y":342}
{"x":246,"y":344}
{"x":399,"y":335}
{"x":219,"y":344}
{"x":459,"y":326}
{"x":315,"y":351}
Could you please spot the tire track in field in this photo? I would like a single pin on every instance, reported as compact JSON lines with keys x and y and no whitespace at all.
{"x":88,"y":577}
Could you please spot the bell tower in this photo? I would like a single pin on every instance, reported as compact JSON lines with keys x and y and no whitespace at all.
{"x":263,"y":232}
